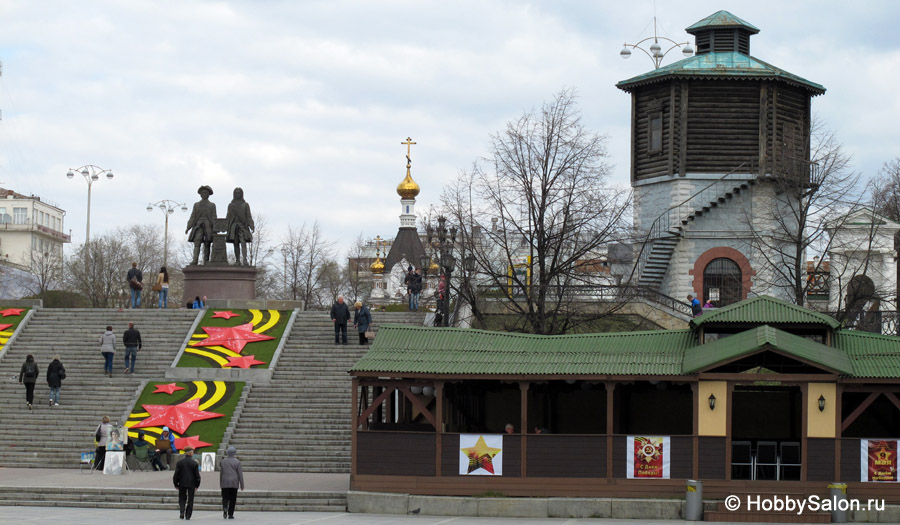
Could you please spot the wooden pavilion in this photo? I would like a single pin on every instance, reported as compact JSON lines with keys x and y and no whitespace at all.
{"x":762,"y":395}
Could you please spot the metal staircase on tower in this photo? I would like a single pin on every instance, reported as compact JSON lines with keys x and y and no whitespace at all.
{"x":666,"y":231}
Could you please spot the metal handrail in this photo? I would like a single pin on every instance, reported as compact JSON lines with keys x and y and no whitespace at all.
{"x":680,"y":212}
{"x":611,"y":292}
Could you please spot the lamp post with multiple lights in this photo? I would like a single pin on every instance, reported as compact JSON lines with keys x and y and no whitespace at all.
{"x":656,"y":52}
{"x":168,"y":208}
{"x":91,"y":174}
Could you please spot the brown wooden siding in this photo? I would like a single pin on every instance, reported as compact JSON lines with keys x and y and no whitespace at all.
{"x":559,"y":456}
{"x":512,"y":456}
{"x":395,"y":453}
{"x":711,"y":457}
{"x":723,"y":126}
{"x":649,"y":101}
{"x":791,"y":123}
{"x":682,"y":457}
{"x":850,"y":470}
{"x":820,"y":466}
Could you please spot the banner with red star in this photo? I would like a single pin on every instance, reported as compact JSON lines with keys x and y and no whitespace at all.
{"x":878,"y":460}
{"x":648,"y":457}
{"x":481,"y":454}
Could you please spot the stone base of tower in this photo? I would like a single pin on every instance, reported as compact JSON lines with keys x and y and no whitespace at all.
{"x":220,"y":282}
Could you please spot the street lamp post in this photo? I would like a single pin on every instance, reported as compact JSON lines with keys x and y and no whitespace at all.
{"x":91,"y":174}
{"x":447,"y":262}
{"x":168,"y":208}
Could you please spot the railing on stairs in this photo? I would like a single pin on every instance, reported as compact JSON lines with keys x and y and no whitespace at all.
{"x":668,"y":223}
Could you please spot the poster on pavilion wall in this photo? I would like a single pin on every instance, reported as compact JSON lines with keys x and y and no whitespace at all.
{"x":878,"y":460}
{"x":481,"y":454}
{"x":648,"y":457}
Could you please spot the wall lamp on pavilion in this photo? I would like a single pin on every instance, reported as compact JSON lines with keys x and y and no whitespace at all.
{"x":821,"y":403}
{"x":712,"y":402}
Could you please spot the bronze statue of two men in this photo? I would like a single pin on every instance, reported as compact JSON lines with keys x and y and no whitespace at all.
{"x":201,"y":226}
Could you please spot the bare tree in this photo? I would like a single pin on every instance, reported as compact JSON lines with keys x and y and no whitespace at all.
{"x":97,"y":270}
{"x":356,"y":273}
{"x":331,"y":282}
{"x":46,"y":269}
{"x":886,"y":190}
{"x":814,"y":188}
{"x":304,"y":252}
{"x":539,"y":201}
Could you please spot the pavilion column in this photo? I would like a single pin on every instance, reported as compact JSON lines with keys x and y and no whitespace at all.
{"x":838,"y":433}
{"x":354,"y":425}
{"x":438,"y":425}
{"x":610,"y":392}
{"x":695,"y":439}
{"x":523,"y":421}
{"x":804,"y":441}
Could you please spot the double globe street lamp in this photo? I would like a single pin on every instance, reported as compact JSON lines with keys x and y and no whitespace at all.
{"x":91,"y":174}
{"x":168,"y":208}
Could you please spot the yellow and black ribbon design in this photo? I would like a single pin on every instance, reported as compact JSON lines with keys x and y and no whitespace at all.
{"x":211,"y":395}
{"x":218,"y":355}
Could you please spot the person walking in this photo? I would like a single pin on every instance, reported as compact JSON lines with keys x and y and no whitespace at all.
{"x":187,"y":481}
{"x":408,"y":281}
{"x":135,"y":280}
{"x":101,"y":436}
{"x":340,"y":315}
{"x":162,"y":282}
{"x":28,"y":377}
{"x":132,"y":341}
{"x":231,"y":477}
{"x":362,"y":318}
{"x":696,"y":309}
{"x":55,"y":374}
{"x":108,"y":349}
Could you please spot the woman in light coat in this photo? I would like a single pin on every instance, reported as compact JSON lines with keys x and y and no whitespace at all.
{"x":231,"y":477}
{"x":101,"y":435}
{"x":108,"y":349}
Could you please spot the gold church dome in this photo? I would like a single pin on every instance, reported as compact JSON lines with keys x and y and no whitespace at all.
{"x":434,"y":267}
{"x":408,"y":189}
{"x":377,"y":266}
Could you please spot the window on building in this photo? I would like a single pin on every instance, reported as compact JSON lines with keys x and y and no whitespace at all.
{"x":3,"y":218}
{"x":20,"y":215}
{"x":722,"y":281}
{"x":656,"y":132}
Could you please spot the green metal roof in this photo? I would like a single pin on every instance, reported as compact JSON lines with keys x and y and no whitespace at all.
{"x":721,"y":66}
{"x":722,"y":19}
{"x":761,"y":338}
{"x":454,"y":351}
{"x":763,"y":310}
{"x":872,"y":355}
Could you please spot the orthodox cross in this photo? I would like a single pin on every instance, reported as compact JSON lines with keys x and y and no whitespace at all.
{"x":409,"y":144}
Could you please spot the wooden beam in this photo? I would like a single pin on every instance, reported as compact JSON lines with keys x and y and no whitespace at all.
{"x":439,"y":427}
{"x":804,"y":441}
{"x":859,"y":410}
{"x":355,"y":422}
{"x":839,"y":401}
{"x":610,"y":393}
{"x":375,"y":404}
{"x":729,"y":413}
{"x":683,"y":124}
{"x":695,"y":441}
{"x":418,"y":404}
{"x":893,"y":399}
{"x":523,"y":422}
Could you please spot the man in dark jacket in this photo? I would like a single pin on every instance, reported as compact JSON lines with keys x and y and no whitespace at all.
{"x":132,"y":341}
{"x":340,"y":316}
{"x":186,"y":480}
{"x":415,"y":290}
{"x":55,"y":374}
{"x":135,"y":280}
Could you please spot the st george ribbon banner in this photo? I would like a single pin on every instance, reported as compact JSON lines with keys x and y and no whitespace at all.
{"x":648,"y":457}
{"x":878,"y":460}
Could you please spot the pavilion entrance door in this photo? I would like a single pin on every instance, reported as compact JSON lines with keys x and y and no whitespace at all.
{"x":766,"y":432}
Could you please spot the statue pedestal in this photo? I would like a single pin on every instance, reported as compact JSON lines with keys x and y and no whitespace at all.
{"x":219,"y":282}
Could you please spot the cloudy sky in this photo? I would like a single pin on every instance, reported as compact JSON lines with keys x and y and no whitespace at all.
{"x":304,"y":104}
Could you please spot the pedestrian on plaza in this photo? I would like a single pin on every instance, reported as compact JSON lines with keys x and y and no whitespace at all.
{"x":231,"y":477}
{"x":166,"y":449}
{"x":55,"y":374}
{"x":101,"y":436}
{"x":362,"y":318}
{"x":408,"y":280}
{"x":162,"y":282}
{"x":108,"y":349}
{"x":415,"y":290}
{"x":340,"y":315}
{"x":28,"y":377}
{"x":135,"y":280}
{"x":696,"y":309}
{"x":186,"y":480}
{"x":131,"y":339}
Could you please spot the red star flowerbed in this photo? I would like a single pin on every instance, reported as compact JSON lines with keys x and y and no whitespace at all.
{"x":235,"y":339}
{"x":11,"y":318}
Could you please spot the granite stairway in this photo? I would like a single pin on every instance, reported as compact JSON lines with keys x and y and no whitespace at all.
{"x":300,"y":421}
{"x":667,"y":230}
{"x":54,"y":436}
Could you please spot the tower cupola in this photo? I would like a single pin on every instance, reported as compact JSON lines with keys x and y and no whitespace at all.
{"x":722,"y":32}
